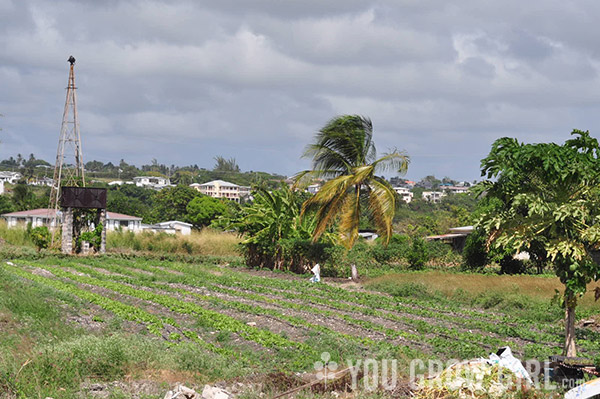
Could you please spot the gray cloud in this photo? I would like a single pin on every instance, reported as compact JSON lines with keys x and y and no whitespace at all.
{"x":185,"y":81}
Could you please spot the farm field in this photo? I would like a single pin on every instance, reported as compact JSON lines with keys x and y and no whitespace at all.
{"x":68,"y":323}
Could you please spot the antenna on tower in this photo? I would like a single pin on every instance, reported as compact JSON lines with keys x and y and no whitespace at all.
{"x":69,"y":150}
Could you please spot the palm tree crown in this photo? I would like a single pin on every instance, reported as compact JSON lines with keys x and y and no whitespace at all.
{"x":344,"y":153}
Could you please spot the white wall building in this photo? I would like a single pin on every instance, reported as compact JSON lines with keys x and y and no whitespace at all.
{"x":43,"y":216}
{"x":10,"y":177}
{"x":152,"y":182}
{"x":457,"y":189}
{"x":42,"y":181}
{"x":404,"y":193}
{"x":222,"y":189}
{"x":433,"y":196}
{"x":183,"y":228}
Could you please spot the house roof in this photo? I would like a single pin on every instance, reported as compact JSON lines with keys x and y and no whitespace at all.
{"x":170,"y":222}
{"x":43,"y":212}
{"x":462,"y":229}
{"x":9,"y":174}
{"x":220,"y":183}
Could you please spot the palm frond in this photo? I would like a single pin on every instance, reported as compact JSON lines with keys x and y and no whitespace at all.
{"x":350,"y":218}
{"x":327,"y":202}
{"x":382,"y":203}
{"x":396,"y":161}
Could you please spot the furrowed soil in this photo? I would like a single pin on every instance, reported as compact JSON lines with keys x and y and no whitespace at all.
{"x":127,"y":323}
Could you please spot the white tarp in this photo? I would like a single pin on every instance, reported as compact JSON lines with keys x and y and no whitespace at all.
{"x":583,"y":391}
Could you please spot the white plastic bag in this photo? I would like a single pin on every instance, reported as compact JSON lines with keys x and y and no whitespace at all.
{"x":507,"y":360}
{"x":317,"y":274}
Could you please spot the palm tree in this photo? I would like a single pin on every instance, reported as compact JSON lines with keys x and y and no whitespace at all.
{"x":344,"y":154}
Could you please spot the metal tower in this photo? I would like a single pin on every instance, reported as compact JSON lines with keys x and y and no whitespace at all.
{"x":69,"y":150}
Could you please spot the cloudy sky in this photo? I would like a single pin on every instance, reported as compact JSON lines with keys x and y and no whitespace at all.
{"x":185,"y":81}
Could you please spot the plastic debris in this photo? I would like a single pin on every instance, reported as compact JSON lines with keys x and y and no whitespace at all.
{"x":493,"y":378}
{"x":584,"y":391}
{"x":317,"y":273}
{"x":209,"y":392}
{"x":505,"y":358}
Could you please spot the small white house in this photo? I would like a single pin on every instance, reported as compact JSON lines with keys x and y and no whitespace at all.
{"x":152,"y":182}
{"x":10,"y":177}
{"x":368,"y":235}
{"x":433,"y":196}
{"x":313,"y":188}
{"x":457,"y":189}
{"x":404,"y":193}
{"x":182,"y":228}
{"x":43,"y":217}
{"x":42,"y":181}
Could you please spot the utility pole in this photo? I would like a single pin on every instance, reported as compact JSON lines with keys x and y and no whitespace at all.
{"x":69,"y":147}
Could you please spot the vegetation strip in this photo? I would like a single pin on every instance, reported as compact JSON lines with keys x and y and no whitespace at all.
{"x":531,"y":335}
{"x":442,"y":340}
{"x":155,"y":324}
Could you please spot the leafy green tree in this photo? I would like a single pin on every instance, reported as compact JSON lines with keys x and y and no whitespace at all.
{"x":344,"y":153}
{"x":203,"y":210}
{"x":6,"y":205}
{"x":475,"y":254}
{"x":548,"y":195}
{"x":171,"y":203}
{"x":183,"y":177}
{"x":23,"y":197}
{"x":121,"y":202}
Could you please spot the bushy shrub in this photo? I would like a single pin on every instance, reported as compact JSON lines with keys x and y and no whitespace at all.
{"x":475,"y":255}
{"x":300,"y":254}
{"x":340,"y":260}
{"x":418,"y":255}
{"x":510,"y":265}
{"x":94,"y":238}
{"x":442,"y":252}
{"x":40,"y":236}
{"x":396,"y":249}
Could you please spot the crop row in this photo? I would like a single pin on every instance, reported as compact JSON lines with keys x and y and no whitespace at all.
{"x":155,"y":324}
{"x":441,"y":338}
{"x":371,"y":300}
{"x":209,"y":318}
{"x":539,"y":341}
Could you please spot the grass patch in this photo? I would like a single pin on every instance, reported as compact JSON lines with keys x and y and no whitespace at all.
{"x":483,"y":289}
{"x":205,"y":242}
{"x":15,"y":235}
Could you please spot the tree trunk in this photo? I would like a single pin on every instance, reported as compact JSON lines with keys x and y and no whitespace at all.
{"x":570,"y":304}
{"x":354,"y":273}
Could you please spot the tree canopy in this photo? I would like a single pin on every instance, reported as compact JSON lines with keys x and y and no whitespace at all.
{"x":344,"y":152}
{"x":549,"y":197}
{"x":204,"y":209}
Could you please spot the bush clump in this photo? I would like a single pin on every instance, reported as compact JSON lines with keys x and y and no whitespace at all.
{"x":40,"y":236}
{"x":418,"y":254}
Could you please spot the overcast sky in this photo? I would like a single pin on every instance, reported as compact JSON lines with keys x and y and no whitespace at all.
{"x":185,"y":81}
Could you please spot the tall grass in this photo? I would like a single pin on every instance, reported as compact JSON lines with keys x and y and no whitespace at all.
{"x":205,"y":242}
{"x":15,"y":235}
{"x":536,"y":288}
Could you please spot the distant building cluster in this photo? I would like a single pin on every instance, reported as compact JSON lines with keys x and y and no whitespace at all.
{"x":154,"y":182}
{"x":405,"y":189}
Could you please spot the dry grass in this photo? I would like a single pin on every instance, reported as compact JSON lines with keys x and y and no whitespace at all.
{"x":205,"y":242}
{"x":537,"y":287}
